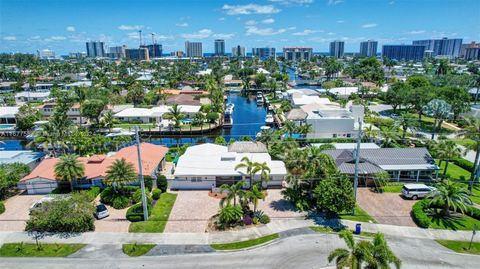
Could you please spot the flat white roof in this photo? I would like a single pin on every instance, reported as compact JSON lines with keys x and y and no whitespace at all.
{"x":8,"y":111}
{"x":351,"y":145}
{"x":32,"y":94}
{"x":343,"y":90}
{"x":154,"y":111}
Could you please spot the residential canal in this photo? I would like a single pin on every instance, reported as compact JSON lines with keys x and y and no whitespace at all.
{"x":247,"y":120}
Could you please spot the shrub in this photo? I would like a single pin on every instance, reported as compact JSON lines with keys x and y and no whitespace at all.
{"x":255,"y":220}
{"x":418,"y":214}
{"x":465,"y":164}
{"x":92,"y":193}
{"x":258,"y":214}
{"x":120,"y":202}
{"x":264,"y":219}
{"x":162,"y":183}
{"x":247,"y":220}
{"x":156,"y":194}
{"x":148,"y":182}
{"x":135,"y":213}
{"x":230,"y":214}
{"x":2,"y":208}
{"x":472,"y":212}
{"x":334,"y":195}
{"x":137,"y":196}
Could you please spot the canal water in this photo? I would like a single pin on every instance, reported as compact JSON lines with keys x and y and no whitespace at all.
{"x":248,"y":117}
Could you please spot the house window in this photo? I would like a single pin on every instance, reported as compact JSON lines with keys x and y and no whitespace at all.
{"x":334,"y":135}
{"x":196,"y":179}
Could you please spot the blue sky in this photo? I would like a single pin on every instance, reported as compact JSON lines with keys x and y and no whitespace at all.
{"x":65,"y":25}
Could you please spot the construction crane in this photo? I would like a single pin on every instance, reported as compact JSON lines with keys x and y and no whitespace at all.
{"x":153,"y":44}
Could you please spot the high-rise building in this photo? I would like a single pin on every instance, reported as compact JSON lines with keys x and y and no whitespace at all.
{"x":95,"y":49}
{"x":297,"y":53}
{"x":154,"y":50}
{"x":193,"y":49}
{"x":446,"y":47}
{"x":263,"y":53}
{"x":117,"y":52}
{"x":368,"y":48}
{"x":337,"y":48}
{"x":403,"y":52}
{"x":219,"y":47}
{"x":140,"y":54}
{"x":472,"y":52}
{"x":177,"y":53}
{"x":46,"y":54}
{"x":77,"y":55}
{"x":238,"y":51}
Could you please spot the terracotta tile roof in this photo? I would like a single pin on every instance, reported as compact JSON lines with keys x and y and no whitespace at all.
{"x":97,"y":165}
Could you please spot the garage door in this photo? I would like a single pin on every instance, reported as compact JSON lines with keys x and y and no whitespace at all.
{"x":41,"y":187}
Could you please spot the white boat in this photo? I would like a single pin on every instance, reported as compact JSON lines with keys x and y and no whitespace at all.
{"x":119,"y":132}
{"x":263,"y":128}
{"x":260,"y":99}
{"x":269,"y":119}
{"x":229,"y":109}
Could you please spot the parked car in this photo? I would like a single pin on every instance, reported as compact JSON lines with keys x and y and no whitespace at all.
{"x":36,"y":205}
{"x":415,"y":191}
{"x":101,"y":211}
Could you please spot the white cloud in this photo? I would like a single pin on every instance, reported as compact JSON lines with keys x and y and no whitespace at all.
{"x":254,"y":30}
{"x":164,"y":37}
{"x":416,"y":32}
{"x":334,"y":2}
{"x":70,"y":28}
{"x":268,"y":21}
{"x":369,"y":25}
{"x":224,"y":36}
{"x":340,"y":21}
{"x":35,"y":37}
{"x":250,"y":9}
{"x":133,"y":35}
{"x":306,"y":32}
{"x":124,"y":27}
{"x":204,"y":33}
{"x":183,"y":24}
{"x":250,"y":22}
{"x":293,"y":2}
{"x":57,"y":38}
{"x":10,"y":38}
{"x":221,"y":19}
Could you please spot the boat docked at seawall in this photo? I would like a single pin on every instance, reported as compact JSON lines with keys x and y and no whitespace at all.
{"x":260,"y":100}
{"x":269,"y":120}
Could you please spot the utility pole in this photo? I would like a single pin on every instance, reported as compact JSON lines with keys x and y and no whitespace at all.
{"x":357,"y":159}
{"x":140,"y":175}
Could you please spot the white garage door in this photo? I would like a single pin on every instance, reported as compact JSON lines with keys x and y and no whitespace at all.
{"x":41,"y":187}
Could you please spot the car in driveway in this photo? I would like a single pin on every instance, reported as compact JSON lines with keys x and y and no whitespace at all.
{"x":416,"y":191}
{"x":101,"y":211}
{"x":38,"y":204}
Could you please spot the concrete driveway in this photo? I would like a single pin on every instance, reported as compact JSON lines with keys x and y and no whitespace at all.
{"x":16,"y":212}
{"x":386,"y":208}
{"x":116,"y":222}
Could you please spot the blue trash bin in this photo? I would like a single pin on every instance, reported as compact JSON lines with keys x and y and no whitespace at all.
{"x":358,"y":228}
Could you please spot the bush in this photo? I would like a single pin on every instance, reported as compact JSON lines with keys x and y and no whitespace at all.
{"x":156,"y":194}
{"x":92,"y":193}
{"x":334,"y":195}
{"x":120,"y":202}
{"x":148,"y":182}
{"x":107,"y":195}
{"x":135,"y":213}
{"x":264,"y":219}
{"x":472,"y":212}
{"x":247,"y":220}
{"x":465,"y":164}
{"x":229,"y":215}
{"x":137,"y":196}
{"x":2,"y":208}
{"x":162,"y":183}
{"x":418,"y":214}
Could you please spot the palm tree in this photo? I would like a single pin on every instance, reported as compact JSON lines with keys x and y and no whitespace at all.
{"x":175,"y":113}
{"x":233,"y":191}
{"x":389,"y":135}
{"x":249,"y":166}
{"x":446,"y":151}
{"x":264,"y":172}
{"x":272,"y":86}
{"x":46,"y":137}
{"x":472,"y":131}
{"x":69,"y":168}
{"x":354,"y":256}
{"x":81,"y":96}
{"x":267,"y":137}
{"x":450,"y":196}
{"x":254,"y":195}
{"x":439,"y":110}
{"x":405,"y":121}
{"x":119,"y":173}
{"x":382,"y":255}
{"x":289,"y":127}
{"x":108,"y":120}
{"x":370,"y":133}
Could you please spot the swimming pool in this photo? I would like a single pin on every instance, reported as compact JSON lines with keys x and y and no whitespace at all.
{"x":7,"y":126}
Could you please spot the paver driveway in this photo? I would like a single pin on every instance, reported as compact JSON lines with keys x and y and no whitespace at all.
{"x":386,"y":208}
{"x":16,"y":212}
{"x":116,"y":222}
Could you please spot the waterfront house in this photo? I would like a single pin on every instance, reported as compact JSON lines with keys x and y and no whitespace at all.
{"x":7,"y":114}
{"x":27,"y":157}
{"x":209,"y":166}
{"x":27,"y":96}
{"x":402,"y":164}
{"x":42,"y":178}
{"x":154,"y":114}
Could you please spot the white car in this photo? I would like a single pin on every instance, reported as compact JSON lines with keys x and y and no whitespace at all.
{"x":415,"y":191}
{"x":101,"y":211}
{"x":39,"y":203}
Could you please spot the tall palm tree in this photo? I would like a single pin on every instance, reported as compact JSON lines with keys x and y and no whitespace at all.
{"x":108,"y":120}
{"x":81,"y":96}
{"x":446,"y":151}
{"x":369,"y":133}
{"x":382,"y":255}
{"x":175,"y":113}
{"x":405,"y":121}
{"x":289,"y":127}
{"x":249,"y":166}
{"x":450,"y":196}
{"x":254,"y":195}
{"x":69,"y":168}
{"x":439,"y":110}
{"x":264,"y":172}
{"x":389,"y":135}
{"x":120,"y":172}
{"x":472,"y":131}
{"x":267,"y":137}
{"x":354,"y":256}
{"x":233,"y":191}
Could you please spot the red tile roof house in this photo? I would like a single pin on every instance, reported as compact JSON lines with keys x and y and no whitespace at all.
{"x":42,"y":179}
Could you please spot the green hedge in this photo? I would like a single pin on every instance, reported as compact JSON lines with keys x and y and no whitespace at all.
{"x":418,"y":214}
{"x":135,"y":213}
{"x":2,"y":208}
{"x":465,"y":164}
{"x":162,"y":183}
{"x":92,"y":193}
{"x":156,"y":194}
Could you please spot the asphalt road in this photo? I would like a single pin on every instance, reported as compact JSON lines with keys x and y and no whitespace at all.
{"x":304,"y":251}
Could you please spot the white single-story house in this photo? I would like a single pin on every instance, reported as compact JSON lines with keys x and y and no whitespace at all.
{"x":208,"y":166}
{"x":154,"y":114}
{"x":27,"y":96}
{"x":7,"y":114}
{"x":343,"y":92}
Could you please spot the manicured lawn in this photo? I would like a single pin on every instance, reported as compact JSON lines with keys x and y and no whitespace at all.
{"x":360,"y":215}
{"x":454,"y":170}
{"x":325,"y":229}
{"x":245,"y":244}
{"x":135,"y":250}
{"x":159,"y":217}
{"x":132,"y":125}
{"x":46,"y":250}
{"x":463,"y":141}
{"x":455,"y":222}
{"x":393,"y":187}
{"x":461,"y":246}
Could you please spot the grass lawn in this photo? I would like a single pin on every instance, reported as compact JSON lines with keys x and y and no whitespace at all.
{"x":135,"y":250}
{"x":393,"y":187}
{"x":30,"y":250}
{"x":159,"y":217}
{"x":360,"y":215}
{"x":245,"y":244}
{"x":454,"y":170}
{"x":461,"y":246}
{"x":132,"y":125}
{"x":326,"y":229}
{"x":455,"y":222}
{"x":463,"y":141}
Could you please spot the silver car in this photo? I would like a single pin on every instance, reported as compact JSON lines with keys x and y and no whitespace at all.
{"x":415,"y":191}
{"x":101,"y":211}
